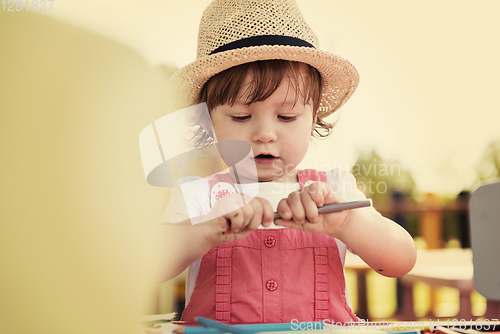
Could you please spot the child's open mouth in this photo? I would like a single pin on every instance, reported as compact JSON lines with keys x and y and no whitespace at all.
{"x":266,"y":159}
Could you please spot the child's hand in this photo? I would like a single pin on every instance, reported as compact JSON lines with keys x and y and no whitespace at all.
{"x":233,"y":221}
{"x":300,"y":210}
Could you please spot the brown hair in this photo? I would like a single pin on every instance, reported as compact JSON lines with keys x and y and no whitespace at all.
{"x":223,"y":89}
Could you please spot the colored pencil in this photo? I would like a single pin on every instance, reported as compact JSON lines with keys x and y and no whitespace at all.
{"x":335,"y":207}
{"x":220,"y":326}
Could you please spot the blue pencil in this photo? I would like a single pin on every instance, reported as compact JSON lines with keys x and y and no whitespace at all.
{"x":287,"y":327}
{"x":220,"y":326}
{"x":256,"y":328}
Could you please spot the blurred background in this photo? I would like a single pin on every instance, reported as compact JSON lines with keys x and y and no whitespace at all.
{"x":79,"y":82}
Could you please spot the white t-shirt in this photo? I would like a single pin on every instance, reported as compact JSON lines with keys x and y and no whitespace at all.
{"x":193,"y":200}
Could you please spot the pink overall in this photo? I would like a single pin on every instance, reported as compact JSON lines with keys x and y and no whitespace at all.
{"x":273,"y":275}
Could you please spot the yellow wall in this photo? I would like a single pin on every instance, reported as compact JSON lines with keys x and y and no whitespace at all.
{"x":75,"y":210}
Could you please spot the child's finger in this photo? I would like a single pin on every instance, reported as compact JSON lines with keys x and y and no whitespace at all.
{"x":285,"y":223}
{"x":332,"y":197}
{"x":318,"y":192}
{"x":290,"y":224}
{"x":268,"y":213}
{"x":284,"y":210}
{"x":295,"y":204}
{"x":310,"y":206}
{"x":236,"y":220}
{"x":221,"y":225}
{"x":256,"y":218}
{"x":248,"y":211}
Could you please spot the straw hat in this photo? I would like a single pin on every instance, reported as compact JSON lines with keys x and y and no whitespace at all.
{"x":234,"y":32}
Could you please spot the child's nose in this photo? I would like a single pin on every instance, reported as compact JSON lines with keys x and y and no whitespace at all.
{"x":264,"y":131}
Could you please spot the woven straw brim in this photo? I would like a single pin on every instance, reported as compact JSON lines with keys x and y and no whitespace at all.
{"x":339,"y":77}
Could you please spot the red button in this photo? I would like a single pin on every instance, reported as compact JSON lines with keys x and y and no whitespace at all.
{"x":270,"y":242}
{"x":272,"y":285}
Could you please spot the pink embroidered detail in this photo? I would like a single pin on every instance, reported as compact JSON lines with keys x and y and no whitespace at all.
{"x":222,"y":193}
{"x":219,"y":189}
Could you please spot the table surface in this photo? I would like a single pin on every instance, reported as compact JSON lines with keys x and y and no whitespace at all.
{"x":447,"y":264}
{"x":449,"y":267}
{"x":444,"y":267}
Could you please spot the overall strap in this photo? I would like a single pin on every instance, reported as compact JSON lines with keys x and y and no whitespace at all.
{"x":308,"y":176}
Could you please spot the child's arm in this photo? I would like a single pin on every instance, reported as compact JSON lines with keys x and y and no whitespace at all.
{"x":381,"y":243}
{"x":183,"y":243}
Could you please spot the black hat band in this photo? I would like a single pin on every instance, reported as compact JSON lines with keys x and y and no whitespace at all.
{"x":263,"y":40}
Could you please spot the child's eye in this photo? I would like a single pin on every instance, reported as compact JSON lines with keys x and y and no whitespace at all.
{"x":240,"y":118}
{"x":287,"y":118}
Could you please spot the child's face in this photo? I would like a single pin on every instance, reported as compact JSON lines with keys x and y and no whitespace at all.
{"x":278,"y":131}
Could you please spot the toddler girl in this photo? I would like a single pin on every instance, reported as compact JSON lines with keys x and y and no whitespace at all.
{"x":265,"y":82}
